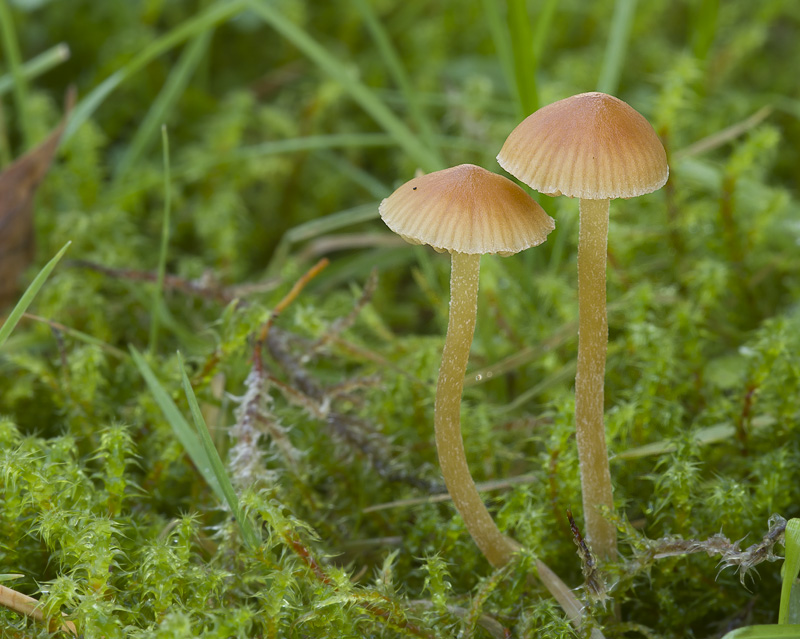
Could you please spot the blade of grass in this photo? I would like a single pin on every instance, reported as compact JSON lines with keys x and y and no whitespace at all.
{"x":172,"y":90}
{"x":29,"y":294}
{"x":494,"y":20}
{"x":617,"y":44}
{"x":543,"y":23}
{"x":186,"y":435}
{"x":37,"y":66}
{"x":158,"y":293}
{"x":248,"y":532}
{"x":791,"y":566}
{"x":14,"y":59}
{"x":207,"y":19}
{"x":396,"y":69}
{"x":320,"y":226}
{"x":356,"y":174}
{"x":197,"y":168}
{"x":519,"y":26}
{"x":405,"y":138}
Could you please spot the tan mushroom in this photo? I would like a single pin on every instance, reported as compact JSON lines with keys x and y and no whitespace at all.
{"x":594,"y":147}
{"x":467,"y":211}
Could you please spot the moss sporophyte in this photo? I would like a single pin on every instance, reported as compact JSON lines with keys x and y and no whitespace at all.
{"x":594,"y":147}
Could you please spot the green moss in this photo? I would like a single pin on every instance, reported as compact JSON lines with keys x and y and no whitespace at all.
{"x":105,"y":516}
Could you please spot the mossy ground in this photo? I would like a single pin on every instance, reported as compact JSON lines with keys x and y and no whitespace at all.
{"x":101,"y":510}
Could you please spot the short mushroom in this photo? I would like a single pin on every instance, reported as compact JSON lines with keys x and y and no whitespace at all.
{"x":594,"y":147}
{"x":467,"y":211}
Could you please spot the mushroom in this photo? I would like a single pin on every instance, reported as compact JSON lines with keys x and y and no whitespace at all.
{"x":594,"y":147}
{"x":467,"y":211}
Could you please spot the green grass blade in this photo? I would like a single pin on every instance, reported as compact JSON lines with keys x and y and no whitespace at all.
{"x":29,"y":294}
{"x":791,"y":631}
{"x":396,"y":69}
{"x":363,"y":178}
{"x":37,"y":66}
{"x":79,"y":336}
{"x":158,"y":293}
{"x":172,"y":90}
{"x":336,"y":69}
{"x":248,"y":532}
{"x":14,"y":60}
{"x":791,"y":567}
{"x":519,"y":26}
{"x":617,"y":44}
{"x":494,"y":20}
{"x":183,"y":431}
{"x":320,"y":226}
{"x":203,"y":21}
{"x":543,"y":23}
{"x":705,"y":20}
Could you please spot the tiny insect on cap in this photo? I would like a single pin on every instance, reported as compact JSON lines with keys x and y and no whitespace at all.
{"x":466,"y":209}
{"x":592,"y":146}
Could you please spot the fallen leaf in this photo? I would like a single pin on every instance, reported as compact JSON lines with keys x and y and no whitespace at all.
{"x":18,"y":184}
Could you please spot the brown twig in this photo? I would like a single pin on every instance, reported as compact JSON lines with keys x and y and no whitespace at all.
{"x":25,"y":605}
{"x":299,"y":285}
{"x":206,"y":287}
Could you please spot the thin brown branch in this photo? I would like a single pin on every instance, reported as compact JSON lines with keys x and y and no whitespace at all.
{"x":206,"y":287}
{"x":30,"y":607}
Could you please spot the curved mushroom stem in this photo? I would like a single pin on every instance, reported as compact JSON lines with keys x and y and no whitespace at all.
{"x":447,"y":414}
{"x":590,"y":375}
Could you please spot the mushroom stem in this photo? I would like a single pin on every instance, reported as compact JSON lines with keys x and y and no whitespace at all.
{"x":590,"y":375}
{"x":464,"y":274}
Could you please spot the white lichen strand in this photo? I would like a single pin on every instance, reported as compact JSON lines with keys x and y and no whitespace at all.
{"x":590,"y":375}
{"x":449,"y":442}
{"x":253,"y":420}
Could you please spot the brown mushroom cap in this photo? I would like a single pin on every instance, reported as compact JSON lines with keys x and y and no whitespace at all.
{"x":466,"y":209}
{"x":592,"y":146}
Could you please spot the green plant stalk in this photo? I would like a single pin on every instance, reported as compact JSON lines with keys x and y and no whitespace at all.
{"x":791,"y":566}
{"x":705,"y":20}
{"x":519,"y":27}
{"x":590,"y":376}
{"x":37,"y":66}
{"x":218,"y":468}
{"x":187,"y":436}
{"x":614,"y":57}
{"x":464,"y":275}
{"x":29,"y":294}
{"x":11,"y":51}
{"x":158,"y":293}
{"x":543,"y":24}
{"x":159,"y":110}
{"x":499,"y":31}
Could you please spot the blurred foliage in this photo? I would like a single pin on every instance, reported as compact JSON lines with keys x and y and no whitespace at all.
{"x":277,"y":161}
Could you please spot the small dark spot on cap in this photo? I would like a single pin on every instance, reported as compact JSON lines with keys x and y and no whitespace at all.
{"x":413,"y":188}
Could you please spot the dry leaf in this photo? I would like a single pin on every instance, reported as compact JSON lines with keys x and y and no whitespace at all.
{"x":18,"y":184}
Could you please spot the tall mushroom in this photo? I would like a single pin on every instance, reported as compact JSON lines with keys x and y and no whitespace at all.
{"x":467,"y":211}
{"x":594,"y":147}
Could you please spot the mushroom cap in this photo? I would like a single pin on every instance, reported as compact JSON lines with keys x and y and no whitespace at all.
{"x":592,"y":146}
{"x":466,"y":209}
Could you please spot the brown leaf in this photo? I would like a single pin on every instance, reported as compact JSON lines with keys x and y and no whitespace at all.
{"x":18,"y":184}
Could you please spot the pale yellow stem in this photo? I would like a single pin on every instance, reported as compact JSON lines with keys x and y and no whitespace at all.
{"x":496,"y":547}
{"x":447,"y":414}
{"x":590,"y":376}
